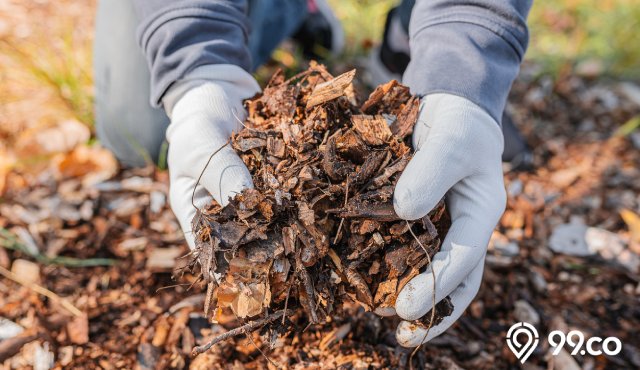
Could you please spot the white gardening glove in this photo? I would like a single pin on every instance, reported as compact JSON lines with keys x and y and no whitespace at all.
{"x":458,"y":153}
{"x":205,"y":108}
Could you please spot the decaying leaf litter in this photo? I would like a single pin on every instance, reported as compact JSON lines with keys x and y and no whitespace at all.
{"x":318,"y":229}
{"x":137,"y":317}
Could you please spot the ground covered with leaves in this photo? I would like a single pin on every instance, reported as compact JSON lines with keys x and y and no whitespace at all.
{"x":88,"y":252}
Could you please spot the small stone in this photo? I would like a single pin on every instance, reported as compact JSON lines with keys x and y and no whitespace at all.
{"x":538,"y":281}
{"x":570,"y":239}
{"x":525,"y":312}
{"x":9,"y":329}
{"x":611,"y":247}
{"x":515,"y":188}
{"x":501,"y":245}
{"x":26,"y":271}
{"x":631,"y":91}
{"x":157,"y":201}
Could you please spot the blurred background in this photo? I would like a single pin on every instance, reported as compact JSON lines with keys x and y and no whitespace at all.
{"x":565,"y":254}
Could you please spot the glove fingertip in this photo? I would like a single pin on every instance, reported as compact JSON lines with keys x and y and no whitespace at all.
{"x":235,"y":181}
{"x":410,"y":335}
{"x":413,"y":302}
{"x":409,"y":202}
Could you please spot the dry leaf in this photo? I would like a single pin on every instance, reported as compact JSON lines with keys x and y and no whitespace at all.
{"x":633,"y":223}
{"x":91,"y":163}
{"x":61,"y":138}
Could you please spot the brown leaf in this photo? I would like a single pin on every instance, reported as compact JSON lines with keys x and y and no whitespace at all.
{"x":59,"y":138}
{"x":91,"y":163}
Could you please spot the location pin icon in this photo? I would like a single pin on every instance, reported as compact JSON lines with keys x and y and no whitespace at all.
{"x":522,"y":349}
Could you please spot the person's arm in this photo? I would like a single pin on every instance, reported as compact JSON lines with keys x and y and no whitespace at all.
{"x":472,"y":49}
{"x":199,"y":62}
{"x":464,"y":58}
{"x":178,"y":36}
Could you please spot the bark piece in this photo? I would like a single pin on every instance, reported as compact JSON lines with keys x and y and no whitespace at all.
{"x":331,"y":89}
{"x":374,"y":130}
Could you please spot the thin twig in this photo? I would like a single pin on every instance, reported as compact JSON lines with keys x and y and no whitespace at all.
{"x":171,"y":286}
{"x":433,"y":297}
{"x":42,"y":290}
{"x":193,"y":195}
{"x":244,"y":329}
{"x":233,"y":111}
{"x":277,"y":365}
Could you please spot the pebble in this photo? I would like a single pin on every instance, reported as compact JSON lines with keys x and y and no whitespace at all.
{"x":515,"y":188}
{"x":631,"y":91}
{"x":570,"y":239}
{"x":538,"y":281}
{"x":501,"y":245}
{"x":157,"y":201}
{"x":9,"y":329}
{"x":577,"y":239}
{"x":525,"y":312}
{"x":26,"y":271}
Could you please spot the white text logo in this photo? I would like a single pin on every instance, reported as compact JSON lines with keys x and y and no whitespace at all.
{"x":522,"y":339}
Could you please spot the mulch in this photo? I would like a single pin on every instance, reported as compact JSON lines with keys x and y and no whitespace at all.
{"x":137,"y":312}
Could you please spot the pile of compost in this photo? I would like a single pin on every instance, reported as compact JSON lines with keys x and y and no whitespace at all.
{"x":318,"y":229}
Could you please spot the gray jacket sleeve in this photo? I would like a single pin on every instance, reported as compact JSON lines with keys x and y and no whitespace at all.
{"x":469,"y":48}
{"x":176,"y":36}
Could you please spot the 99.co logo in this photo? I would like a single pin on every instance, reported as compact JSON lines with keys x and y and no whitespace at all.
{"x":594,"y":346}
{"x":522,"y":339}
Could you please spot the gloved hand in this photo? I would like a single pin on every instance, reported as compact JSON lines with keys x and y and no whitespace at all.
{"x":205,"y":108}
{"x":458,"y":153}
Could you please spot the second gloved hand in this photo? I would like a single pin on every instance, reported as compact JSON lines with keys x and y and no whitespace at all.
{"x":458,"y":153}
{"x":205,"y":108}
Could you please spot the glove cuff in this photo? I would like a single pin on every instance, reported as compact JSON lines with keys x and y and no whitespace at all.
{"x":236,"y":83}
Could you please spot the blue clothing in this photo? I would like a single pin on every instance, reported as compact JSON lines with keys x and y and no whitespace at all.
{"x":469,"y":48}
{"x":125,"y":121}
